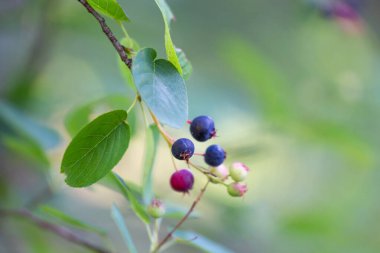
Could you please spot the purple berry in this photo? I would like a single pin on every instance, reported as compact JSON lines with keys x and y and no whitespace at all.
{"x":215,"y":155}
{"x":183,"y":149}
{"x":202,"y":128}
{"x":182,"y":180}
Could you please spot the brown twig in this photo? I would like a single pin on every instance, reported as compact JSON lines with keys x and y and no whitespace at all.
{"x":107,"y":31}
{"x":56,"y":229}
{"x":184,"y":218}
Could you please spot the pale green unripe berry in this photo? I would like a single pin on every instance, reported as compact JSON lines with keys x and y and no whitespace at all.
{"x":238,"y":171}
{"x":237,"y":189}
{"x":156,"y":209}
{"x":221,"y":172}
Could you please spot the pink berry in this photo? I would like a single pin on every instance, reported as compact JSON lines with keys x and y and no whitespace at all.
{"x":237,"y":189}
{"x":182,"y":180}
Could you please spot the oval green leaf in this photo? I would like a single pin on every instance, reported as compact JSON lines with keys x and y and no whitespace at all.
{"x":96,"y":149}
{"x":110,"y":8}
{"x":161,"y":87}
{"x":168,"y":16}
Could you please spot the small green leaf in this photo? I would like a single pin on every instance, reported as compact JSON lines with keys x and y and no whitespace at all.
{"x":110,"y":8}
{"x":170,"y":48}
{"x":161,"y":87}
{"x":118,"y":184}
{"x":115,"y":183}
{"x":200,"y":242}
{"x":67,"y":219}
{"x":120,"y":223}
{"x":25,"y":127}
{"x":96,"y":149}
{"x":26,"y":148}
{"x":186,"y":66}
{"x":81,"y":116}
{"x":152,"y":137}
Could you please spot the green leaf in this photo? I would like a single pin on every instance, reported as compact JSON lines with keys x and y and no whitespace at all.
{"x":26,"y":148}
{"x":124,"y":70}
{"x":152,"y":137}
{"x":110,"y":8}
{"x":170,"y":48}
{"x":67,"y":219}
{"x":96,"y":149}
{"x":25,"y":127}
{"x":186,"y":66}
{"x":117,"y":183}
{"x":200,"y":242}
{"x":80,"y":116}
{"x":120,"y":223}
{"x":161,"y":87}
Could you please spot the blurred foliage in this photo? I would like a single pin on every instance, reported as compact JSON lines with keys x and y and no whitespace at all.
{"x":295,"y":95}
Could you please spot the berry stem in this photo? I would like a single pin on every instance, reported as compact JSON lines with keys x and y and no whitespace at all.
{"x":170,"y":234}
{"x":164,"y":134}
{"x":132,"y":105}
{"x":107,"y":31}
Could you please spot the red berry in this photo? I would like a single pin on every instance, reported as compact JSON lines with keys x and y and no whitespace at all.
{"x":182,"y":180}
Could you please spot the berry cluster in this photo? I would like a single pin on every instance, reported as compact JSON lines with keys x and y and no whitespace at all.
{"x":202,"y":128}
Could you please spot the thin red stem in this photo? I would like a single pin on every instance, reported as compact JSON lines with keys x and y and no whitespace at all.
{"x":170,"y":234}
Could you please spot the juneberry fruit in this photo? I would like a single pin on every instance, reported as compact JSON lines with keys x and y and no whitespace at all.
{"x":202,"y":128}
{"x":156,"y":209}
{"x":237,"y":189}
{"x":182,"y":180}
{"x":215,"y":155}
{"x":183,"y":149}
{"x":238,"y":171}
{"x":220,"y":172}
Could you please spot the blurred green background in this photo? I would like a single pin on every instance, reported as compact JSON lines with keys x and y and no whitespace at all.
{"x":295,"y":95}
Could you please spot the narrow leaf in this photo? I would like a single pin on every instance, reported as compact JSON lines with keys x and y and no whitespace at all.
{"x":96,"y":149}
{"x":69,"y":220}
{"x":200,"y":242}
{"x":152,"y":137}
{"x":27,"y":148}
{"x":161,"y":87}
{"x":115,"y":183}
{"x":120,"y":223}
{"x":186,"y":66}
{"x":110,"y":8}
{"x":120,"y":185}
{"x":24,"y":126}
{"x":170,"y":48}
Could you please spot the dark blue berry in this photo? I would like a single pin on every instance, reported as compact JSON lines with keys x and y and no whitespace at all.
{"x":202,"y":128}
{"x":215,"y":155}
{"x":183,"y":149}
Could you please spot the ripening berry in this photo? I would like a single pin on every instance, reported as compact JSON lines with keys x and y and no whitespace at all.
{"x":238,"y":171}
{"x":202,"y":128}
{"x":237,"y":189}
{"x":182,"y":180}
{"x":156,"y":209}
{"x":183,"y":149}
{"x":221,"y":172}
{"x":215,"y":155}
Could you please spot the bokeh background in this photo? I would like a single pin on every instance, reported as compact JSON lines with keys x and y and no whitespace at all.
{"x":292,"y":85}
